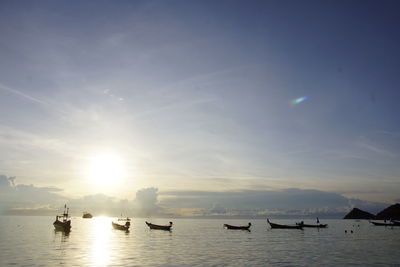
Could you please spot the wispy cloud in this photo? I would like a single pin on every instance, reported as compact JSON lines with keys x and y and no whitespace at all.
{"x":23,"y":95}
{"x":33,"y":99}
{"x":345,"y":153}
{"x":368,"y":145}
{"x":187,"y":92}
{"x":180,"y":105}
{"x":22,"y":140}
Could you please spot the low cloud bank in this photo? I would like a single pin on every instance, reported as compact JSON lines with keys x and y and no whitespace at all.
{"x":260,"y":203}
{"x":27,"y":199}
{"x":19,"y":199}
{"x":23,"y":199}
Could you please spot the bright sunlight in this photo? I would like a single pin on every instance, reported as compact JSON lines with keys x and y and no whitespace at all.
{"x":106,"y":169}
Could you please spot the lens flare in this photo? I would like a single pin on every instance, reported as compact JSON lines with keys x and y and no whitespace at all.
{"x":298,"y":100}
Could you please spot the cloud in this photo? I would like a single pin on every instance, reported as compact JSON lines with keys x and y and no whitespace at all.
{"x":53,"y":107}
{"x":217,"y":209}
{"x":12,"y":180}
{"x":21,"y":94}
{"x":375,"y":147}
{"x":372,"y":207}
{"x":26,"y":143}
{"x":100,"y":204}
{"x":38,"y":210}
{"x":4,"y":182}
{"x":20,"y":196}
{"x":32,"y":200}
{"x":24,"y":199}
{"x":150,"y":202}
{"x":288,"y":202}
{"x":146,"y":202}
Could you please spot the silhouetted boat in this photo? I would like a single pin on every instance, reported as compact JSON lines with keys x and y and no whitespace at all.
{"x":313,"y":225}
{"x":384,"y":224}
{"x":160,"y":227}
{"x":283,"y":226}
{"x":64,"y":224}
{"x":87,"y":215}
{"x":233,"y":227}
{"x":318,"y":225}
{"x":122,"y":224}
{"x":396,"y":223}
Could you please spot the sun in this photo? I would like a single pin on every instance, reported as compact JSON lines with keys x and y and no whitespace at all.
{"x":106,"y":169}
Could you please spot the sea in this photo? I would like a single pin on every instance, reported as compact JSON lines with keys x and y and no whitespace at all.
{"x":32,"y":241}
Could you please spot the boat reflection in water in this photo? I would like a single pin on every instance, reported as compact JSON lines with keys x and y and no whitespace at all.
{"x":60,"y":240}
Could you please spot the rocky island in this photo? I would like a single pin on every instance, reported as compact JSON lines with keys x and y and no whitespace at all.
{"x":390,"y":213}
{"x":359,"y":214}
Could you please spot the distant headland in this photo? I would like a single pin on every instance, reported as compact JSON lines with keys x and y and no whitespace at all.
{"x":391,"y":212}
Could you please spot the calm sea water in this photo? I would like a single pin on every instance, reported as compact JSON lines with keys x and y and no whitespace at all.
{"x":32,"y":241}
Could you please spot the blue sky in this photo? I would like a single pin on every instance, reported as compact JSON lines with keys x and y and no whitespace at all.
{"x":198,"y":95}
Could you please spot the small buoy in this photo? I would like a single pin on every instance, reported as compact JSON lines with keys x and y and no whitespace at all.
{"x":351,"y":231}
{"x":345,"y":231}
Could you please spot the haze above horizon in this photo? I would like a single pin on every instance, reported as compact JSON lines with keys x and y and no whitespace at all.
{"x":199,"y":107}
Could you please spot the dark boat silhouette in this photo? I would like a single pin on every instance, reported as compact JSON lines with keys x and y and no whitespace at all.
{"x":160,"y":227}
{"x":233,"y":227}
{"x":385,"y":223}
{"x":318,"y":225}
{"x":284,"y":226}
{"x":87,"y":215}
{"x":396,"y":223}
{"x":312,"y":225}
{"x":122,"y":224}
{"x":62,"y":223}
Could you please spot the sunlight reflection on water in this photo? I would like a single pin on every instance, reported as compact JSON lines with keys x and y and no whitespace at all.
{"x":32,"y":241}
{"x":100,"y":252}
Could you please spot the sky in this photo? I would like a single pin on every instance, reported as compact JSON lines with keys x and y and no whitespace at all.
{"x":199,"y":107}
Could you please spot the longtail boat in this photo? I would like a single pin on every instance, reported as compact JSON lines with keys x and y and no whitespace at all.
{"x":384,"y":224}
{"x":62,"y":223}
{"x":396,"y":223}
{"x":233,"y":227}
{"x":284,"y":226}
{"x":122,"y":224}
{"x":160,"y":227}
{"x":312,"y":225}
{"x":321,"y":225}
{"x":318,"y":225}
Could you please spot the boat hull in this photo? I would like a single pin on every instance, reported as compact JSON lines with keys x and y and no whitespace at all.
{"x":233,"y":227}
{"x":385,"y":224}
{"x":62,"y":226}
{"x":313,"y":225}
{"x":159,"y":227}
{"x":120,"y":227}
{"x":282,"y":226}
